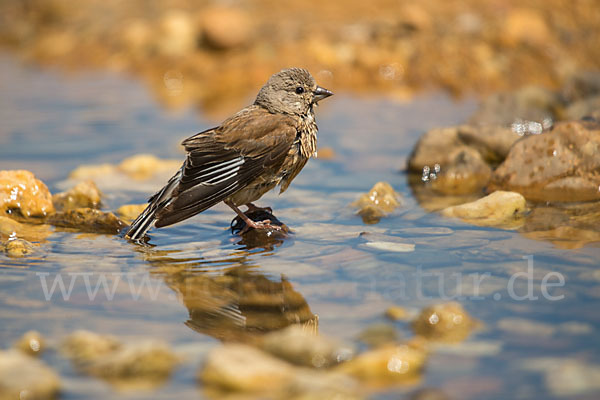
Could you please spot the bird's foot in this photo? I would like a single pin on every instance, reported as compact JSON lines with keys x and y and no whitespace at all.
{"x":265,"y":225}
{"x":252,"y":208}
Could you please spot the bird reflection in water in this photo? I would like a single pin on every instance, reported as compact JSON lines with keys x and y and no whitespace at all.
{"x":230,"y":298}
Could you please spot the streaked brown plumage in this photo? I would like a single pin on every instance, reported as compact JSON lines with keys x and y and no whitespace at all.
{"x":264,"y":145}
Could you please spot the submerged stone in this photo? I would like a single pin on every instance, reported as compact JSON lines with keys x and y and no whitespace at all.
{"x":82,"y":346}
{"x":381,"y":200}
{"x":31,"y":343}
{"x":18,"y":248}
{"x":391,"y":363}
{"x":376,"y":335}
{"x":22,"y":193}
{"x":448,"y":322}
{"x":240,"y":367}
{"x":500,"y":208}
{"x":243,"y":368}
{"x":303,"y":347}
{"x":84,"y":194}
{"x":11,"y":229}
{"x":145,"y":363}
{"x":24,"y":377}
{"x":88,"y":220}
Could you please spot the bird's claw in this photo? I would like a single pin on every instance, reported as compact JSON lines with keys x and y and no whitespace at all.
{"x":266,"y":225}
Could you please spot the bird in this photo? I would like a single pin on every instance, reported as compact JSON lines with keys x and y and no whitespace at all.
{"x":264,"y":145}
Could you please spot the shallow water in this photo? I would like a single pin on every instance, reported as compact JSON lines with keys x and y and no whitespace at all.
{"x":52,"y":123}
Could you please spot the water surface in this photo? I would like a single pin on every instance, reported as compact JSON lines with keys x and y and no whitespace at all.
{"x":52,"y":123}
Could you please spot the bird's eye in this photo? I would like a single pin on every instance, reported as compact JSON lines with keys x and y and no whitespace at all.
{"x":299,"y":90}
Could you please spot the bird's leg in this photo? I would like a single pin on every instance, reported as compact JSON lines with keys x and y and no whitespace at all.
{"x":252,"y":207}
{"x":266,"y":224}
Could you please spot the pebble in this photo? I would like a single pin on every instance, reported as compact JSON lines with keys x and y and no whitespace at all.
{"x":397,"y":363}
{"x":381,"y":200}
{"x":24,"y":377}
{"x":497,"y":209}
{"x":31,"y":343}
{"x":303,"y":347}
{"x":447,"y":322}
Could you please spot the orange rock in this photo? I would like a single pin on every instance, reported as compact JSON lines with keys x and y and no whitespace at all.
{"x":21,"y":191}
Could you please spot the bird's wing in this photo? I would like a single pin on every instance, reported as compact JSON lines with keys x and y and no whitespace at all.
{"x":224,"y":160}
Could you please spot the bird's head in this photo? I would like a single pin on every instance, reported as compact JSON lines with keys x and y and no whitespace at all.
{"x":291,"y":91}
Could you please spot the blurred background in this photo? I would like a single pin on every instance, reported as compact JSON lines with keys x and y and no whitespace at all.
{"x":215,"y":53}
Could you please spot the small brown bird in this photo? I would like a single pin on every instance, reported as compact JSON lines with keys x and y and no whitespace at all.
{"x":264,"y":145}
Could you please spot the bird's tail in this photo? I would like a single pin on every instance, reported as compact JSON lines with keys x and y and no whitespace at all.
{"x":148,"y":217}
{"x":142,"y":223}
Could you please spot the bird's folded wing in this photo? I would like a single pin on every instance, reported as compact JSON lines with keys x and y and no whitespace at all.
{"x":224,"y":160}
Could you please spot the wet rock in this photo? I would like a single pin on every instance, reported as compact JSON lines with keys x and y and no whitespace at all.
{"x":465,"y":172}
{"x":226,"y":28}
{"x":83,"y":346}
{"x":560,"y":165}
{"x":178,"y":35}
{"x":24,"y":377}
{"x":241,"y":367}
{"x":18,"y":248}
{"x":456,"y":148}
{"x":11,"y":229}
{"x":376,"y":335}
{"x":145,"y":363}
{"x":21,"y":192}
{"x":84,"y":194}
{"x":448,"y":322}
{"x":392,"y":363}
{"x":497,"y":209}
{"x":396,"y":313}
{"x":381,"y":200}
{"x":129,"y":212}
{"x":530,"y":103}
{"x":302,"y":347}
{"x":31,"y":343}
{"x":493,"y":142}
{"x":88,"y":220}
{"x":145,"y":166}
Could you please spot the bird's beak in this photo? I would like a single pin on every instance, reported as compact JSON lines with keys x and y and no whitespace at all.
{"x":321,"y":93}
